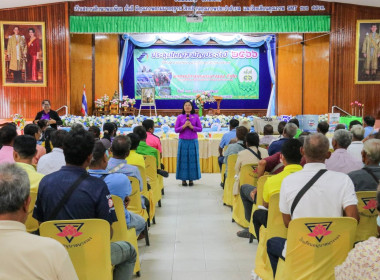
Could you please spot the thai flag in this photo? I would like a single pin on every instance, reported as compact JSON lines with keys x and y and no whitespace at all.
{"x":84,"y":102}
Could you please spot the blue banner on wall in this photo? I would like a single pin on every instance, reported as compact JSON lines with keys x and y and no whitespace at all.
{"x":182,"y":73}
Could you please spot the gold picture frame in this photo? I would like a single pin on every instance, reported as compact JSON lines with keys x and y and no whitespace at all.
{"x":367,"y":59}
{"x":23,"y":53}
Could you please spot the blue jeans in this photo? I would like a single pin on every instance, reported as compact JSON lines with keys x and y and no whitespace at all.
{"x":137,"y":222}
{"x":275,"y":246}
{"x":220,"y":162}
{"x":123,"y":257}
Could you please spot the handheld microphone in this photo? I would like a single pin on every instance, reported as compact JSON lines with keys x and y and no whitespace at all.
{"x":187,"y":116}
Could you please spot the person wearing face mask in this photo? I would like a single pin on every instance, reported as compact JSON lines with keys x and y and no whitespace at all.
{"x":188,"y":125}
{"x":363,"y":261}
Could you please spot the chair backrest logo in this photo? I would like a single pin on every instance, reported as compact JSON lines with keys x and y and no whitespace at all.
{"x":370,"y":204}
{"x":69,"y":231}
{"x":319,"y":230}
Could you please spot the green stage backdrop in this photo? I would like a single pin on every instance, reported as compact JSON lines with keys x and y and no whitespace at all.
{"x":181,"y":73}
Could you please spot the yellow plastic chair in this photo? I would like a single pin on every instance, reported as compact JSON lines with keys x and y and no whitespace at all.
{"x":367,"y":226}
{"x":246,"y":176}
{"x":31,"y":223}
{"x":121,"y":232}
{"x":229,"y":181}
{"x":160,"y":178}
{"x":88,"y":244}
{"x":135,"y":205}
{"x":151,"y":173}
{"x":148,"y":194}
{"x":275,"y":228}
{"x":315,"y":246}
{"x":259,"y":201}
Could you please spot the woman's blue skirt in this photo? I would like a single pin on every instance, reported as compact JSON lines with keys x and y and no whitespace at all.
{"x":188,"y":167}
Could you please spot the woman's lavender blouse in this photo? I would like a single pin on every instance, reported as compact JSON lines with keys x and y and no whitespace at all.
{"x":188,"y":133}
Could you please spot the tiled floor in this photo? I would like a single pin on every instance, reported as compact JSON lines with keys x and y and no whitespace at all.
{"x":194,"y":237}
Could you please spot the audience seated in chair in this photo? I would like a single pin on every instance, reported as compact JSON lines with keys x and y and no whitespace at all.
{"x":118,"y":184}
{"x":235,"y":148}
{"x":356,"y":146}
{"x":23,"y":153}
{"x":363,"y":261}
{"x":54,"y":160}
{"x":323,"y":127}
{"x":117,"y":163}
{"x":290,"y":157}
{"x":268,"y":135}
{"x":367,"y":178}
{"x":331,"y":195}
{"x":226,"y":138}
{"x":290,"y":131}
{"x":24,"y":255}
{"x":34,"y":131}
{"x":151,"y":139}
{"x":8,"y":134}
{"x":297,"y":123}
{"x":134,"y":158}
{"x":340,"y":160}
{"x":251,"y":155}
{"x":95,"y":131}
{"x":91,"y":198}
{"x":369,"y":123}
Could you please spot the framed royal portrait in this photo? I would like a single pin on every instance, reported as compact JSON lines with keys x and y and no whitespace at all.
{"x":367,"y":60}
{"x":148,"y":96}
{"x":23,"y":51}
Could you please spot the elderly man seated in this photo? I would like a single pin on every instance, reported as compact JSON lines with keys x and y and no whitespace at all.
{"x":367,"y":178}
{"x":314,"y":202}
{"x":290,"y":131}
{"x":24,"y":255}
{"x":340,"y":160}
{"x":356,"y":147}
{"x":235,"y":148}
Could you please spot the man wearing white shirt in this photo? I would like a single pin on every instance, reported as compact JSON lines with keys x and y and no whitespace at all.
{"x":332,"y":195}
{"x":356,"y":147}
{"x":24,"y":255}
{"x":54,"y":160}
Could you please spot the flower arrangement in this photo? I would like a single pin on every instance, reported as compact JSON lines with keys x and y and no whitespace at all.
{"x":105,"y":98}
{"x":128,"y":102}
{"x":19,"y":121}
{"x":357,"y":108}
{"x":114,"y":101}
{"x":99,"y":103}
{"x":205,"y":97}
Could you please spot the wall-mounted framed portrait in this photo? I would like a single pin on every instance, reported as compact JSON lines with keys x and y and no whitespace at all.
{"x":23,"y":50}
{"x":367,"y":52}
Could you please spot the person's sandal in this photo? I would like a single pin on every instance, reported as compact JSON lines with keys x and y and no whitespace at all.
{"x":184,"y":183}
{"x":191,"y":183}
{"x":243,"y":233}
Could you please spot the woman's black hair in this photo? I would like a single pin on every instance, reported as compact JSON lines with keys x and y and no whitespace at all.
{"x":47,"y":136}
{"x":108,"y":130}
{"x":192,"y":107}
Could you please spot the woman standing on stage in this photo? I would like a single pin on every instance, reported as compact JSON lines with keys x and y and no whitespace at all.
{"x":187,"y":125}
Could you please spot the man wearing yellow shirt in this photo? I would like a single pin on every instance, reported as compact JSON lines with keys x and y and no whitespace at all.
{"x":134,"y":158}
{"x":291,"y":158}
{"x":24,"y":151}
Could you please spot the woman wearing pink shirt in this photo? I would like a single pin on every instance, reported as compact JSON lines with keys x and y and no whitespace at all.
{"x":188,"y":125}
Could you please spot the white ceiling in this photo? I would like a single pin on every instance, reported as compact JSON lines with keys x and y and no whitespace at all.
{"x":4,"y":4}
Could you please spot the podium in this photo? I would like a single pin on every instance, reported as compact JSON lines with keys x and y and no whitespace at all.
{"x":218,"y":99}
